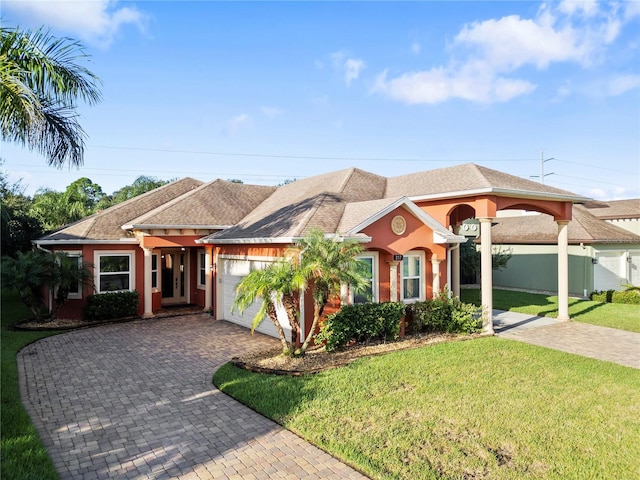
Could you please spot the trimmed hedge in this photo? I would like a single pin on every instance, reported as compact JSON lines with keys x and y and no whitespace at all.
{"x":361,"y":323}
{"x":630,"y":296}
{"x":444,"y":314}
{"x":111,"y":305}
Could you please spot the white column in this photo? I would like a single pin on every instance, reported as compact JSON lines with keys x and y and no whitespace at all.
{"x":393,"y":281}
{"x":435,"y":270}
{"x":486,"y":274}
{"x":148,"y":294}
{"x":455,"y":271}
{"x":208,"y":278}
{"x":563,"y":270}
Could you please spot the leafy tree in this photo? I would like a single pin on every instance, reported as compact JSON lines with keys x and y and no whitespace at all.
{"x":56,"y":209}
{"x":19,"y":227}
{"x":29,"y":272}
{"x":41,"y":83}
{"x":470,"y":259}
{"x":141,"y":185}
{"x":278,"y":282}
{"x":326,"y":264}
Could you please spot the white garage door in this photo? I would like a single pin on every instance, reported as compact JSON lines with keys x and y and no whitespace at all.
{"x":233,"y":271}
{"x":610,"y":271}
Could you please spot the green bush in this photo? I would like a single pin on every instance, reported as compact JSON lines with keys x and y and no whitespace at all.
{"x":361,"y":323}
{"x":629,"y":296}
{"x":444,"y":314}
{"x":112,"y":305}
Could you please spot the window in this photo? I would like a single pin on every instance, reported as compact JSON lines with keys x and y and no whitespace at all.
{"x":202,"y":269}
{"x":154,"y":271}
{"x":366,"y":294}
{"x":412,"y":283}
{"x":75,"y":290}
{"x":114,"y":271}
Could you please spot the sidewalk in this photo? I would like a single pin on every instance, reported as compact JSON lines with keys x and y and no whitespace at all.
{"x":591,"y":341}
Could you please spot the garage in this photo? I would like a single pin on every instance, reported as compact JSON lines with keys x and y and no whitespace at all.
{"x":232,"y":272}
{"x":615,"y":269}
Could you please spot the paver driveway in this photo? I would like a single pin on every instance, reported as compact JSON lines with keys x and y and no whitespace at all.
{"x":135,"y":400}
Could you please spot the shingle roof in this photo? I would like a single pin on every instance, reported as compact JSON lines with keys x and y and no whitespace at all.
{"x":313,"y":202}
{"x":615,"y":209}
{"x":542,"y":229}
{"x":105,"y":225}
{"x":215,"y":204}
{"x":468,"y":177}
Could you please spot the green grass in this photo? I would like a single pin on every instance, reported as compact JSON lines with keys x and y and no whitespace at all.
{"x":489,"y":408}
{"x":614,"y":315}
{"x":22,"y":455}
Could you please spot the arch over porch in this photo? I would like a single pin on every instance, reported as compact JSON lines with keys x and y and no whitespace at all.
{"x":451,"y":212}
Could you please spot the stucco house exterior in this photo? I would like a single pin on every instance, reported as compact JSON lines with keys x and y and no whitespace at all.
{"x":604,"y":248}
{"x":191,"y":242}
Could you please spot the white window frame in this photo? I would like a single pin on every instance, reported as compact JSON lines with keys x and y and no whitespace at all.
{"x":375,"y":283}
{"x":77,"y":254}
{"x":421,"y":276}
{"x":156,"y":257}
{"x":202,"y":266}
{"x":98,"y":254}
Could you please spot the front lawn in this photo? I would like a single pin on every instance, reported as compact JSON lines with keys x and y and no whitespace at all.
{"x":489,"y":408}
{"x":614,"y":315}
{"x":22,"y":455}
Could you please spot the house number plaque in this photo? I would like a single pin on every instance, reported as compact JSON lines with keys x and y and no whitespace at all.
{"x":398,"y":225}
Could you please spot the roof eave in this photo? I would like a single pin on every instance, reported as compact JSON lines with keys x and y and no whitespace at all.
{"x":85,"y":241}
{"x":502,"y":192}
{"x":142,"y":226}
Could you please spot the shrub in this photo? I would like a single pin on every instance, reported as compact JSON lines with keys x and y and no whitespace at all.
{"x":604,"y":296}
{"x":444,"y":314}
{"x":112,"y":305}
{"x":630,"y":296}
{"x":361,"y":323}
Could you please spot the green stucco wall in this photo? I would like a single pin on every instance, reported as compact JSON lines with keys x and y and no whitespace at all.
{"x":536,"y":268}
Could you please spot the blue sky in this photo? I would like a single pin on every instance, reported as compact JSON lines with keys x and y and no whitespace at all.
{"x":269,"y":91}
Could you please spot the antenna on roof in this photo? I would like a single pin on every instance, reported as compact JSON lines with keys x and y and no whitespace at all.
{"x":542,"y":174}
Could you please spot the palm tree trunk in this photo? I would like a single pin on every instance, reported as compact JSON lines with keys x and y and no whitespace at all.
{"x":317,"y":313}
{"x":289,"y":304}
{"x":273,"y":316}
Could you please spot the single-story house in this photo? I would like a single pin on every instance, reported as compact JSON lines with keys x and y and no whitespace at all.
{"x":191,"y":242}
{"x":604,"y":248}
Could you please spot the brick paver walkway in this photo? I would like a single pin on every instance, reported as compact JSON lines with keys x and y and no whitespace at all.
{"x":136,"y":401}
{"x":592,"y":341}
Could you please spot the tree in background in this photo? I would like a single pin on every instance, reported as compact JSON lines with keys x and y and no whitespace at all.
{"x":470,"y":260}
{"x":142,"y":184}
{"x":19,"y":227}
{"x":41,"y":83}
{"x":55,"y":209}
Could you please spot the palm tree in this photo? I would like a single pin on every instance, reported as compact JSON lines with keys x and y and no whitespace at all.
{"x":40,"y":85}
{"x":278,"y":282}
{"x":326,"y":264}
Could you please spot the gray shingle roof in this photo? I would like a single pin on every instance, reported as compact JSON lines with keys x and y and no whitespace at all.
{"x":615,"y":209}
{"x":542,"y":229}
{"x":468,"y":178}
{"x":215,"y":204}
{"x":105,"y":225}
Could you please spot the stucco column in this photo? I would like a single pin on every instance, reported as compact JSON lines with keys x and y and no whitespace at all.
{"x":393,"y":281}
{"x":435,"y":270}
{"x":486,"y":274}
{"x":148,"y":290}
{"x":208,"y":277}
{"x":563,"y":270}
{"x":455,"y":271}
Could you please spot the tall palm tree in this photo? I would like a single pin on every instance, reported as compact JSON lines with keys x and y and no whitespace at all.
{"x":40,"y":85}
{"x":278,"y":282}
{"x":326,"y":264}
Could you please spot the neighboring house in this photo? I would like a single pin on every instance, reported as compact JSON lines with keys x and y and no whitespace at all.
{"x":604,"y":248}
{"x":190,"y":242}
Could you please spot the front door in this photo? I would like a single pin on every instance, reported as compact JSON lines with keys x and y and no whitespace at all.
{"x":174,"y":276}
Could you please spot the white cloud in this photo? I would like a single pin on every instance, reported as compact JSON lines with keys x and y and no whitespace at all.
{"x":95,"y":21}
{"x":349,"y":67}
{"x":486,"y":54}
{"x":238,"y":122}
{"x":270,"y":112}
{"x":416,"y":48}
